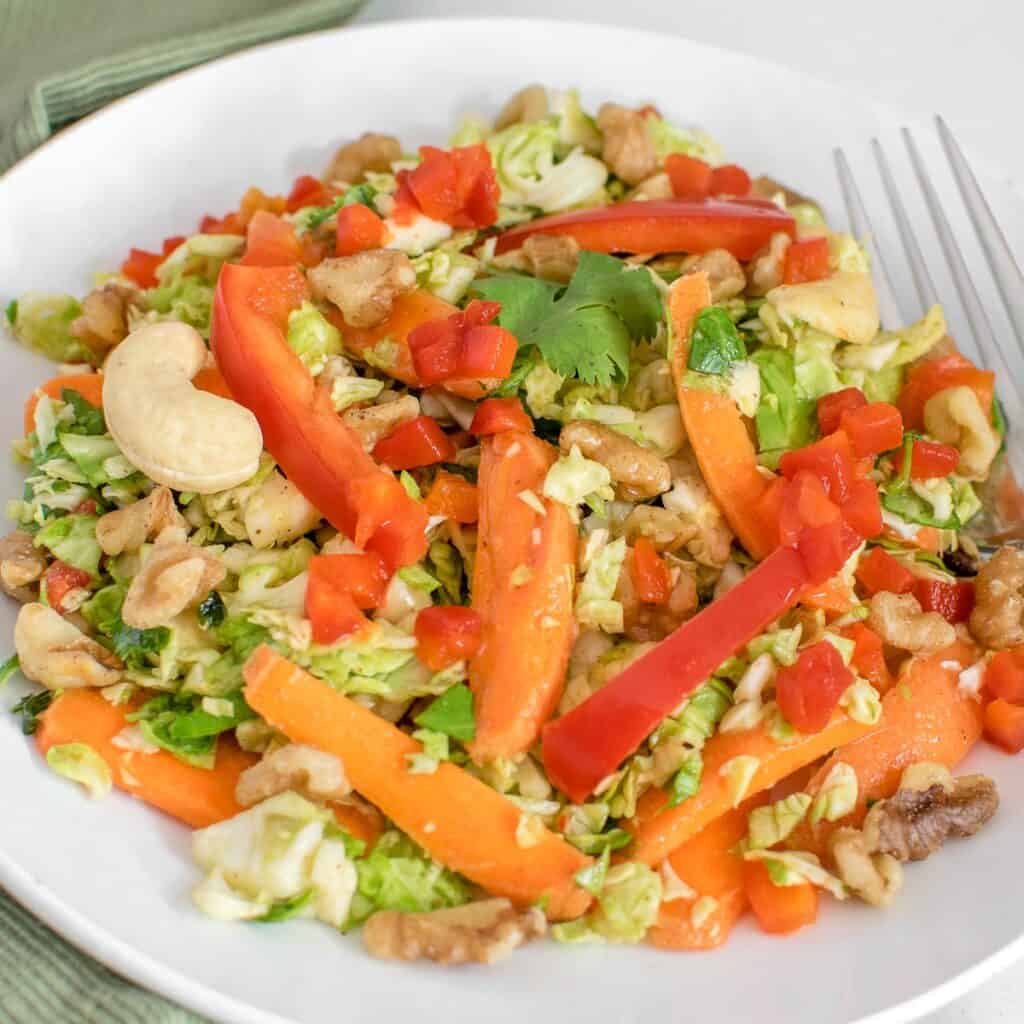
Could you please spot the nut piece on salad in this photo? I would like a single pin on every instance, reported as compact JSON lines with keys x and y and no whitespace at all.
{"x":998,"y":618}
{"x":527,"y":105}
{"x":764,"y":271}
{"x":482,"y":932}
{"x":552,"y":257}
{"x":725,"y":275}
{"x":373,"y":422}
{"x":127,"y":529}
{"x":304,"y":770}
{"x":364,"y":286}
{"x":955,"y":416}
{"x":875,"y":877}
{"x":370,"y":152}
{"x":58,"y":655}
{"x":628,"y":148}
{"x":900,"y":621}
{"x":21,"y":565}
{"x":104,"y":320}
{"x":638,"y":474}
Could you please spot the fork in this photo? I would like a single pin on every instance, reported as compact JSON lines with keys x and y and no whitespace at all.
{"x":984,"y":345}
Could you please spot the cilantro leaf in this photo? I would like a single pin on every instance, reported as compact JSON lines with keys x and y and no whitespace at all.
{"x":212,"y":611}
{"x":627,"y":290}
{"x":451,"y":714}
{"x":525,"y":301}
{"x":715,"y":344}
{"x":88,"y":418}
{"x":31,"y":707}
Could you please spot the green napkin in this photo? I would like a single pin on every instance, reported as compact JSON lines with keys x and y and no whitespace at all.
{"x":61,"y":60}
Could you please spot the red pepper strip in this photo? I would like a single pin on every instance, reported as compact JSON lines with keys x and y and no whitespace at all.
{"x":270,"y":242}
{"x":320,"y":454}
{"x":330,"y":607}
{"x":873,"y":429}
{"x":590,"y":742}
{"x":651,"y":578}
{"x":664,"y":225}
{"x":808,"y":691}
{"x":729,"y":180}
{"x":689,"y":176}
{"x":358,"y":228}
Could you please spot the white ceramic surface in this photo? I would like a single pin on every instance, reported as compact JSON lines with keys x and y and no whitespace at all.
{"x":113,"y":877}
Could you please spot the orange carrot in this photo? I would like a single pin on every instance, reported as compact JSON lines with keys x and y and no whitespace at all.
{"x":927,"y":538}
{"x":924,"y":718}
{"x":454,"y":497}
{"x":193,"y":795}
{"x":779,"y":909}
{"x":523,"y":589}
{"x":834,"y":597}
{"x":708,"y":865}
{"x":459,"y":820}
{"x":366,"y":824}
{"x":88,"y":385}
{"x":716,"y":428}
{"x":659,"y":829}
{"x":212,"y":380}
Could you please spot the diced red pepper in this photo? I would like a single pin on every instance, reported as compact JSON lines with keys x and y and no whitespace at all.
{"x":806,"y":260}
{"x":463,"y":345}
{"x":952,"y":599}
{"x":141,"y":265}
{"x":808,"y":691}
{"x":830,"y":460}
{"x":928,"y":460}
{"x":1004,"y":725}
{"x":863,"y":509}
{"x":649,"y":573}
{"x":89,"y":506}
{"x":446,"y":634}
{"x":730,"y":180}
{"x":804,"y":503}
{"x":454,"y":498}
{"x":831,"y":407}
{"x":434,"y":349}
{"x":229,"y":224}
{"x":690,"y":176}
{"x":493,"y":415}
{"x":878,"y":571}
{"x":928,"y":378}
{"x":418,"y":442}
{"x":364,"y":576}
{"x":59,"y":580}
{"x":330,"y":607}
{"x":1004,"y":676}
{"x":590,"y":742}
{"x":873,"y":429}
{"x":457,"y":186}
{"x":270,"y":242}
{"x":826,"y":548}
{"x":487,"y":351}
{"x":869,"y":656}
{"x":358,"y":229}
{"x":308,"y":191}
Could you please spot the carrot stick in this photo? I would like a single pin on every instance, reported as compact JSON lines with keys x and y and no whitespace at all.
{"x":779,"y":909}
{"x":659,"y":829}
{"x":924,"y":718}
{"x":459,"y":820}
{"x":716,"y":428}
{"x":708,"y":865}
{"x":193,"y":795}
{"x":523,"y":589}
{"x":88,"y":385}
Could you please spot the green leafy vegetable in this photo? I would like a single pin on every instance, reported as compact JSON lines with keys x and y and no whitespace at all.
{"x":80,"y":763}
{"x":72,"y":539}
{"x":88,"y":418}
{"x":284,"y":910}
{"x":313,"y":216}
{"x":11,"y":311}
{"x":135,"y":647}
{"x":31,"y":707}
{"x":446,"y":565}
{"x":8,"y":668}
{"x":686,"y":781}
{"x":312,"y":337}
{"x":451,"y":714}
{"x":212,"y":611}
{"x":593,"y":875}
{"x":42,"y":322}
{"x":783,"y":419}
{"x":715,"y":344}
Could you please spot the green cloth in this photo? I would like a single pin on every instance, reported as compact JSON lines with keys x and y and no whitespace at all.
{"x":61,"y":60}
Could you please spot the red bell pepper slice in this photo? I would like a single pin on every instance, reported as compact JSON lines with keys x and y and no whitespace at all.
{"x":589,"y":743}
{"x":446,"y":634}
{"x":808,"y":691}
{"x":806,"y":260}
{"x":270,"y":242}
{"x":59,"y":580}
{"x":928,"y":460}
{"x":952,"y":599}
{"x":730,"y":180}
{"x":649,"y":573}
{"x":878,"y":571}
{"x":1004,"y":725}
{"x":831,"y":407}
{"x":830,"y":460}
{"x":363,"y":576}
{"x":873,"y":428}
{"x":936,"y":375}
{"x":318,"y":452}
{"x":357,"y":229}
{"x":493,"y":415}
{"x":690,"y":177}
{"x":1004,"y":676}
{"x":330,"y":607}
{"x":419,"y":442}
{"x":742,"y":226}
{"x":869,"y":656}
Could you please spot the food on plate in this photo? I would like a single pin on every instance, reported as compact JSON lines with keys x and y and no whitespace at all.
{"x":539,"y":535}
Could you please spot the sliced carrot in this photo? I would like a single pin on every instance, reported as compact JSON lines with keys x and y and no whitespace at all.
{"x":659,"y":829}
{"x":88,"y":385}
{"x":193,"y":795}
{"x":716,"y":429}
{"x":924,"y":718}
{"x":927,"y":538}
{"x":708,"y":865}
{"x":459,"y":820}
{"x":523,"y":589}
{"x":834,"y":597}
{"x":453,"y":497}
{"x":779,"y":909}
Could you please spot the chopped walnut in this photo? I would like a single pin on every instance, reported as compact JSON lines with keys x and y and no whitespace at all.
{"x":482,"y":932}
{"x":764,"y":271}
{"x":104,"y":322}
{"x":899,"y":620}
{"x":769,"y":188}
{"x":725,"y":275}
{"x":998,"y":618}
{"x":55,"y":653}
{"x":652,"y":385}
{"x":552,"y":257}
{"x":875,"y":877}
{"x":370,"y":152}
{"x":529,"y":104}
{"x":657,"y":186}
{"x":628,"y":149}
{"x":655,"y":621}
{"x":129,"y":528}
{"x":176,"y":575}
{"x":664,"y":529}
{"x":638,"y":473}
{"x":364,"y":286}
{"x":691,"y":500}
{"x":377,"y":421}
{"x":296,"y":767}
{"x":21,"y":565}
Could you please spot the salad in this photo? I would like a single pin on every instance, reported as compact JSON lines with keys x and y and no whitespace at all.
{"x":539,"y":535}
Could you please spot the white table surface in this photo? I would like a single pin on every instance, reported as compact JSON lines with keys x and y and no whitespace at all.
{"x":921,"y":56}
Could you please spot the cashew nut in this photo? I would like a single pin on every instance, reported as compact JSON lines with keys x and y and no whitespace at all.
{"x":179,"y":436}
{"x":899,"y":620}
{"x":21,"y":565}
{"x":57,"y":654}
{"x":843,"y":304}
{"x":955,"y":416}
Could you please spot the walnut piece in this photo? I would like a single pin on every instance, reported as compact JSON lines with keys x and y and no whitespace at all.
{"x":58,"y":655}
{"x":628,"y":149}
{"x":899,"y":620}
{"x":655,"y":621}
{"x":364,"y":286}
{"x":998,"y":618}
{"x":875,"y":877}
{"x":21,"y":565}
{"x":305,"y":770}
{"x":529,"y":104}
{"x":764,"y":271}
{"x":370,"y":152}
{"x":638,"y":473}
{"x":482,"y":932}
{"x":104,"y":322}
{"x":725,"y":275}
{"x":552,"y":257}
{"x":176,"y":575}
{"x":664,"y":529}
{"x":377,"y":421}
{"x":691,"y":500}
{"x":129,"y":528}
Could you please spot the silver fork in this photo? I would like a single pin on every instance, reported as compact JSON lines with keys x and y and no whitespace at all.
{"x":987,"y":347}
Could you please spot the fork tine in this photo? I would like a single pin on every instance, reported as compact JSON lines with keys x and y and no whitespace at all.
{"x":1004,"y":267}
{"x":891,"y":314}
{"x":919,"y":269}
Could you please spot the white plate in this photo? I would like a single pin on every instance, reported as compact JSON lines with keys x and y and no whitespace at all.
{"x":114,"y":877}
